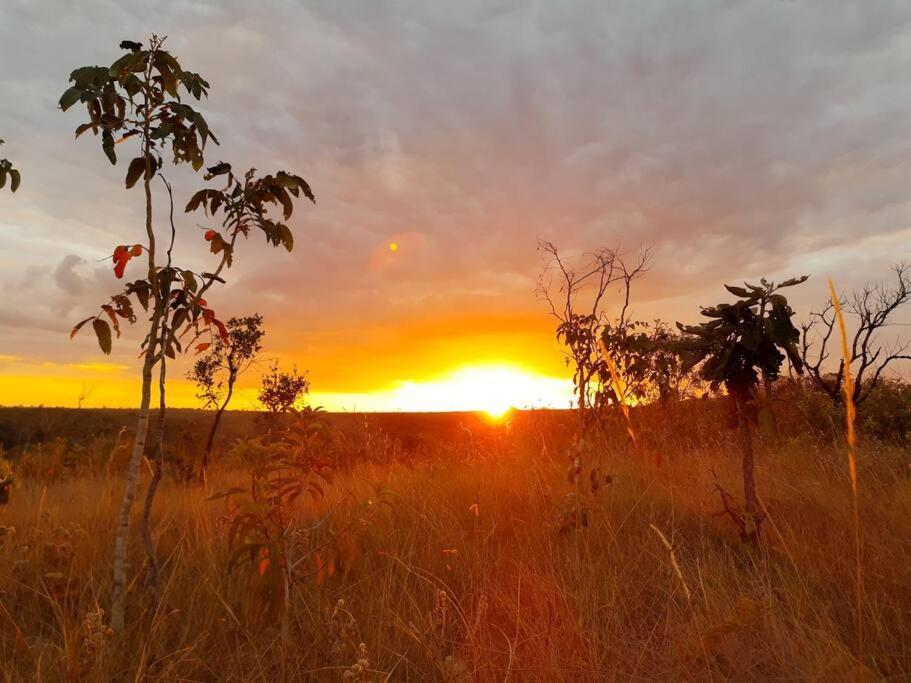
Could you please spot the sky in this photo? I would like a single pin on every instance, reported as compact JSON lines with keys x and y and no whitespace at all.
{"x":740,"y":139}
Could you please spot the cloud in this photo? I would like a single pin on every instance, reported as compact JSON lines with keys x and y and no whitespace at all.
{"x":67,"y":278}
{"x":742,"y":139}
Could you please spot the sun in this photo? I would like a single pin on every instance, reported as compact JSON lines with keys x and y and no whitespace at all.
{"x":491,"y":389}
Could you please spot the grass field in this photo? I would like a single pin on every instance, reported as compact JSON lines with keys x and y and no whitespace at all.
{"x":461,"y":551}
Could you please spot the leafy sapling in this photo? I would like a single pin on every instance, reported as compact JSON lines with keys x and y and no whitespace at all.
{"x":139,"y":99}
{"x":740,"y":342}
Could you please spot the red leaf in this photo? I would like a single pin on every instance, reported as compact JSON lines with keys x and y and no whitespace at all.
{"x":210,"y":234}
{"x":136,"y":250}
{"x":122,"y":256}
{"x":202,"y":347}
{"x":222,"y":330}
{"x":263,"y":565}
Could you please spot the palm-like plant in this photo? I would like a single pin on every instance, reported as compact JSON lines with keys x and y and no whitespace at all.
{"x":740,"y":342}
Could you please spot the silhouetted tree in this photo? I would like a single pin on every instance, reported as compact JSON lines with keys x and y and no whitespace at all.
{"x":281,"y":390}
{"x":645,"y":357}
{"x":870,"y":311}
{"x":7,"y":171}
{"x":216,"y":373}
{"x":138,"y":98}
{"x":577,"y":292}
{"x":741,"y":342}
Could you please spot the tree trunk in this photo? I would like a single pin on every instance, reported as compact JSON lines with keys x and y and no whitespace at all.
{"x":210,"y":442}
{"x":118,"y":589}
{"x":157,"y":471}
{"x":752,"y":515}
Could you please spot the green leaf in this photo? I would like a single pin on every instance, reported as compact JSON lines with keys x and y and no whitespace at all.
{"x":70,"y":97}
{"x":107,"y":145}
{"x":135,"y":171}
{"x":287,"y":239}
{"x":738,"y":291}
{"x":103,"y":332}
{"x":794,"y":281}
{"x":121,"y":64}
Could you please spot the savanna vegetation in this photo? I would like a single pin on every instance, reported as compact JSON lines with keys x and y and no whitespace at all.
{"x":726,"y":500}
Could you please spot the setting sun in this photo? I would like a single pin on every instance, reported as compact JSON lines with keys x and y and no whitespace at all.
{"x":493,"y":389}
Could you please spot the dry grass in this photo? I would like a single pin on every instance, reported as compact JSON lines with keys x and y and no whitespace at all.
{"x":472,"y":579}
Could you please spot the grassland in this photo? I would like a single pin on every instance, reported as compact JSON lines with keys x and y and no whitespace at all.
{"x":487,"y":563}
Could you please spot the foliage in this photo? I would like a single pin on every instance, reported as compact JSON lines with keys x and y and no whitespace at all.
{"x":645,"y":357}
{"x":7,"y":171}
{"x":282,"y":389}
{"x":218,"y":370}
{"x":290,"y":474}
{"x":139,"y":96}
{"x":741,"y":340}
{"x":576,"y":291}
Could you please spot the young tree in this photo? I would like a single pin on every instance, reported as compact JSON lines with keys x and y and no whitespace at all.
{"x":7,"y":171}
{"x":138,"y":98}
{"x":576,"y":293}
{"x":281,"y":390}
{"x":216,"y":373}
{"x":871,"y":310}
{"x":739,"y":343}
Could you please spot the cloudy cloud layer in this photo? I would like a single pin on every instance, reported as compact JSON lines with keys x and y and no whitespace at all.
{"x":741,"y":138}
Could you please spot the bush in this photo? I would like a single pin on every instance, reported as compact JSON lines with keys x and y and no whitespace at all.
{"x":886,"y":413}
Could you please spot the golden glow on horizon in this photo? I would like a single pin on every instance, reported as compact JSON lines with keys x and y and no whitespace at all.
{"x":493,"y":389}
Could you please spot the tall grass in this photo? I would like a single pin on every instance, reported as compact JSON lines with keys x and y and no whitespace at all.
{"x":851,"y":438}
{"x":471,"y":578}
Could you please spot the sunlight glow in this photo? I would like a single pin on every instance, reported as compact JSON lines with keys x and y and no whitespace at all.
{"x":493,"y":389}
{"x":393,"y":246}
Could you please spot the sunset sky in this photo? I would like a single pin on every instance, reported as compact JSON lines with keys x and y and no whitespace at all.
{"x":742,"y":139}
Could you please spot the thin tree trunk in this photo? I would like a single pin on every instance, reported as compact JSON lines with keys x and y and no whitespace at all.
{"x":752,"y":514}
{"x":210,"y":442}
{"x":118,"y":588}
{"x":157,"y":469}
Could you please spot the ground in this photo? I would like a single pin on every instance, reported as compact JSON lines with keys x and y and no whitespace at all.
{"x":462,"y":548}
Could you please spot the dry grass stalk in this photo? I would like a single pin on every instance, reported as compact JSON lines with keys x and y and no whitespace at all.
{"x":851,"y":437}
{"x":674,"y":563}
{"x":619,"y":387}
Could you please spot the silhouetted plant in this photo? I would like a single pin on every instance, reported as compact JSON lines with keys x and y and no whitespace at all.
{"x":870,"y":310}
{"x":216,"y":373}
{"x":139,"y":97}
{"x":651,"y":369}
{"x":740,"y":342}
{"x":7,"y":171}
{"x":281,"y":390}
{"x":576,"y":295}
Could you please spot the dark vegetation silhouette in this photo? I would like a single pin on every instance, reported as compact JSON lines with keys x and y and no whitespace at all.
{"x":579,"y":293}
{"x":739,"y":344}
{"x":7,"y":171}
{"x":216,"y":373}
{"x":871,"y":310}
{"x":139,"y":98}
{"x":281,"y":390}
